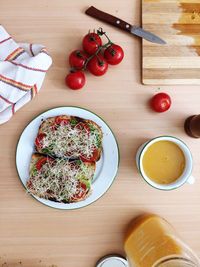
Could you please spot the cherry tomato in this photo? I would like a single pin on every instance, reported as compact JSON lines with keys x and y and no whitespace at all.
{"x":82,"y":126}
{"x":30,"y":184}
{"x":82,"y":190}
{"x":77,"y":59}
{"x":94,"y":157}
{"x":41,"y":162}
{"x":75,"y":80}
{"x":114,"y":54}
{"x":38,"y":140}
{"x":161,"y":102}
{"x":91,"y":43}
{"x":53,"y":127}
{"x":97,"y":65}
{"x":59,"y":120}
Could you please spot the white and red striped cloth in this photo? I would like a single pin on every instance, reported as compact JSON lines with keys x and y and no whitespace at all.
{"x":22,"y":71}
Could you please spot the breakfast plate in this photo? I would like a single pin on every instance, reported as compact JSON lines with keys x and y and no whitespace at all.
{"x":106,"y":168}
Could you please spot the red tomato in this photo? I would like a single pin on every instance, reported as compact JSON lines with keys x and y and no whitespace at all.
{"x":97,"y":65}
{"x":77,"y":59}
{"x":41,"y":162}
{"x":91,"y":43}
{"x":114,"y":54}
{"x":30,"y":184}
{"x":82,"y":126}
{"x":94,"y":156}
{"x":161,"y":102}
{"x":75,"y":80}
{"x":38,"y":140}
{"x":59,"y":120}
{"x":82,"y":190}
{"x":53,"y":127}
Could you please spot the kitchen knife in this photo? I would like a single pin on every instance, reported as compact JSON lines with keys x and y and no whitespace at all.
{"x":98,"y":14}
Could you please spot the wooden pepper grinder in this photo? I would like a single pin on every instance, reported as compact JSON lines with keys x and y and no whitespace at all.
{"x":192,"y":126}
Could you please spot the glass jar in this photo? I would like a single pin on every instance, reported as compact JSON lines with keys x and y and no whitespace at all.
{"x":152,"y":242}
{"x":176,"y":262}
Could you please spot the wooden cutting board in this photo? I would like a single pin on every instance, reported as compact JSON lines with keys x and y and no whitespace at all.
{"x":178,"y":23}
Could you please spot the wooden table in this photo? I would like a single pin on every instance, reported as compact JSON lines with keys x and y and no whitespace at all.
{"x":32,"y":234}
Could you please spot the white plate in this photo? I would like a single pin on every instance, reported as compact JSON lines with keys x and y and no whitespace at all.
{"x":107,"y":166}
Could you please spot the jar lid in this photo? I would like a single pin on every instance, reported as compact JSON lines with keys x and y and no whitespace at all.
{"x":112,"y":261}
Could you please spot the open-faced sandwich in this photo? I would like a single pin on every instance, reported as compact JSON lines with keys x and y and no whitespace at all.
{"x":60,"y":180}
{"x":64,"y":165}
{"x":70,"y":137}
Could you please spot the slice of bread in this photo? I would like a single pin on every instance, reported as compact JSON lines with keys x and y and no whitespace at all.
{"x":78,"y":137}
{"x":60,"y":180}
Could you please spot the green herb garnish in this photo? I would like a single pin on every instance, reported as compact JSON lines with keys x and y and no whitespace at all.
{"x":45,"y":151}
{"x":73,"y":122}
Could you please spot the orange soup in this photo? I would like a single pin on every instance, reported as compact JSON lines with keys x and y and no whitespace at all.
{"x":163,"y":162}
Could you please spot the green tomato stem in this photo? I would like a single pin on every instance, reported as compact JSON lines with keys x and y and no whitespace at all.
{"x":100,"y":48}
{"x":96,"y":53}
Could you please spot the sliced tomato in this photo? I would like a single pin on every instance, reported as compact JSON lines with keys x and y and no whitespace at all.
{"x":41,"y":162}
{"x":53,"y":127}
{"x":59,"y":120}
{"x":82,"y":191}
{"x":38,"y":140}
{"x":83,"y":126}
{"x":87,"y":128}
{"x":93,"y":157}
{"x":29,"y":184}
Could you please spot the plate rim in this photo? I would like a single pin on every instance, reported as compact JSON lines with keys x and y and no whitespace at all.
{"x":113,"y":179}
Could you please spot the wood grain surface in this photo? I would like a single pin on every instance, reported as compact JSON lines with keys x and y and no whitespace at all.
{"x":177,"y":22}
{"x":33,"y":235}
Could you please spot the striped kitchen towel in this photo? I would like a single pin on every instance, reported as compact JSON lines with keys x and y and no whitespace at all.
{"x":22,"y":70}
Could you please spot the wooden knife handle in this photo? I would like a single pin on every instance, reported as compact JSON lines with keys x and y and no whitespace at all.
{"x":98,"y":14}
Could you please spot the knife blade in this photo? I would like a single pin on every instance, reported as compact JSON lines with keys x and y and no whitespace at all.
{"x":123,"y":25}
{"x":149,"y":36}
